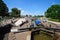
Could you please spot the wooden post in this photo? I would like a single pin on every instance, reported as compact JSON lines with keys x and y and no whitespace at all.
{"x":50,"y":25}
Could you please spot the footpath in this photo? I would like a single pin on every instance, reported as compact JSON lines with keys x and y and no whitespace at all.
{"x":57,"y":23}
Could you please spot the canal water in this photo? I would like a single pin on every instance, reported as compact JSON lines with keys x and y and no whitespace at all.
{"x":41,"y":36}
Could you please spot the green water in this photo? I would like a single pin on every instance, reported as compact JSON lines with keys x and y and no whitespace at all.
{"x":42,"y":37}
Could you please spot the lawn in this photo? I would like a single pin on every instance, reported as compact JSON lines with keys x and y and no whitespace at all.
{"x":56,"y":20}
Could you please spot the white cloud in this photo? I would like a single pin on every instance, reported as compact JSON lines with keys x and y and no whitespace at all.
{"x":23,"y":12}
{"x":20,"y":8}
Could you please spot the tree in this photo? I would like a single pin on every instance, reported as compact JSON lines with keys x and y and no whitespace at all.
{"x":53,"y":12}
{"x":15,"y":12}
{"x":3,"y":9}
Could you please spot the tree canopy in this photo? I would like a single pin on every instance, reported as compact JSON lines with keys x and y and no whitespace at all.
{"x":53,"y":12}
{"x":3,"y":9}
{"x":15,"y":12}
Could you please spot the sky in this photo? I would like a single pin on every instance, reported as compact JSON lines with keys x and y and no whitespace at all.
{"x":31,"y":7}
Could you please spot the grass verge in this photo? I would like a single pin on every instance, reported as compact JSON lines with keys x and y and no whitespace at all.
{"x":56,"y":20}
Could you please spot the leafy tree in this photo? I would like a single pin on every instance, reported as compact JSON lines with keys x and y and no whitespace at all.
{"x":3,"y":9}
{"x":53,"y":12}
{"x":15,"y":12}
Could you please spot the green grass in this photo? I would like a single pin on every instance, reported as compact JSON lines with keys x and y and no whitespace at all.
{"x":56,"y":20}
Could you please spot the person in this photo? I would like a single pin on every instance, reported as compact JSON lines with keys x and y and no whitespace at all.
{"x":32,"y":24}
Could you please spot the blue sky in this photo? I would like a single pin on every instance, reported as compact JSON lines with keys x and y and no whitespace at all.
{"x":31,"y":7}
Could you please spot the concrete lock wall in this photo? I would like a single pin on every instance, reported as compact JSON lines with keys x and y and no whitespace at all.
{"x":4,"y":31}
